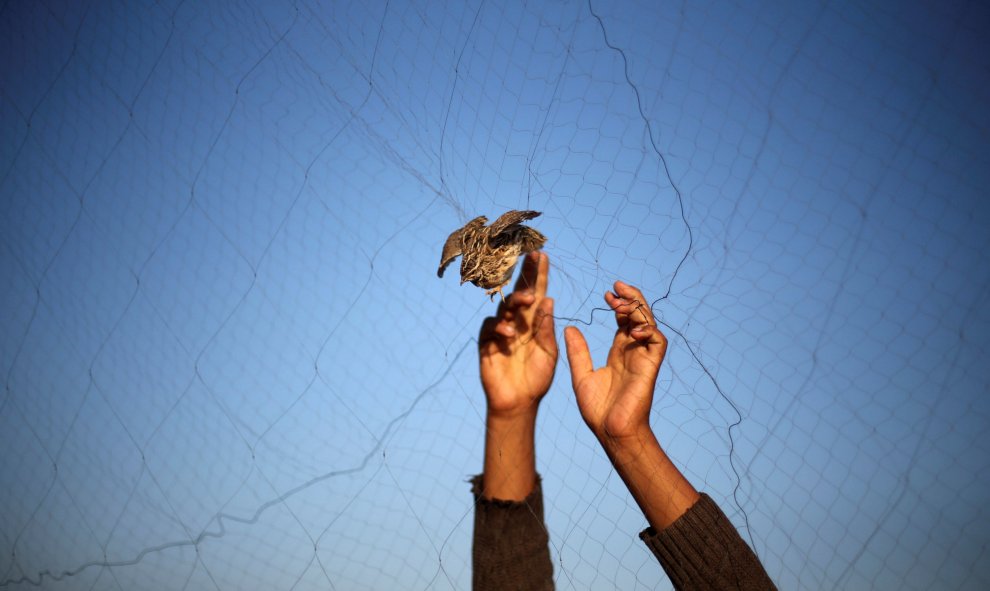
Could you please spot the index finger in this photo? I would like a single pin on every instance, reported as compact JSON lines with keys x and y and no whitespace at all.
{"x":535,"y":271}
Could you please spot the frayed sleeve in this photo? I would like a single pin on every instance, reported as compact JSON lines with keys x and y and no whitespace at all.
{"x":510,"y":549}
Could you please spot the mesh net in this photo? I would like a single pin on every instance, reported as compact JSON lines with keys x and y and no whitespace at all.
{"x":227,"y":361}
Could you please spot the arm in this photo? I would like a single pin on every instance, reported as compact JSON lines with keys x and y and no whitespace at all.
{"x":694,"y":541}
{"x":518,"y":356}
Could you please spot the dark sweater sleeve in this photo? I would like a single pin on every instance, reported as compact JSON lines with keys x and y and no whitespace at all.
{"x":703,"y":550}
{"x":510,"y":549}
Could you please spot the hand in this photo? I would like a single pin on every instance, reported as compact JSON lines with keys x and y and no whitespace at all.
{"x":615,"y":400}
{"x":517,"y":347}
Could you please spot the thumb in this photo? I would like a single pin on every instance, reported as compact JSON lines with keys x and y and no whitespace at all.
{"x":578,"y":356}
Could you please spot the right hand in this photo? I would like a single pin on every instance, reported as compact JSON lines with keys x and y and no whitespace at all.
{"x":517,"y":346}
{"x":615,"y":400}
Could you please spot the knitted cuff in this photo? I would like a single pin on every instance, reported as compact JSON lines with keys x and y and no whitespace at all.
{"x":703,"y":550}
{"x":510,"y":548}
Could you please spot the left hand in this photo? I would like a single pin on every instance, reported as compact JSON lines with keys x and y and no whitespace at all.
{"x":615,"y":400}
{"x":518,"y":347}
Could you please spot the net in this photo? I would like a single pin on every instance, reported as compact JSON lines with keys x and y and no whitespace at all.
{"x":228,"y":363}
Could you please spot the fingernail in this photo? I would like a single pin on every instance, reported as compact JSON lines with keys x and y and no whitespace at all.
{"x":640,"y":329}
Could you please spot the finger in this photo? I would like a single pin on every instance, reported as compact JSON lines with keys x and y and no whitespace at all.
{"x":650,"y":335}
{"x":511,"y":317}
{"x":505,"y":320}
{"x":487,"y":333}
{"x":616,"y":353}
{"x":542,"y":272}
{"x":578,"y":355}
{"x":535,"y":272}
{"x":521,"y":299}
{"x":506,"y":329}
{"x":630,"y":301}
{"x":510,"y":306}
{"x":503,"y":308}
{"x":648,"y":355}
{"x":545,"y":337}
{"x":490,"y":341}
{"x":622,"y":307}
{"x":528,"y":276}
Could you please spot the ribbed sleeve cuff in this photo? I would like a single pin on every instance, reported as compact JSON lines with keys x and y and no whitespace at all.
{"x":510,"y":548}
{"x":703,"y":550}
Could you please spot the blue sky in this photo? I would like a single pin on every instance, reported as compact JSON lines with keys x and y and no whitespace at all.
{"x":228,"y":362}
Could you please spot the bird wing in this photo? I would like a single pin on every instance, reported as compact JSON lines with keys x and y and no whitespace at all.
{"x":454,"y":245}
{"x":510,"y":218}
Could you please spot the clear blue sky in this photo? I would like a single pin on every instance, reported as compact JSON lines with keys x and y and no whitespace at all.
{"x":228,"y":362}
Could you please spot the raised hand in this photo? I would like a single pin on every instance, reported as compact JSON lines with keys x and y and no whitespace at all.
{"x":517,"y":347}
{"x":615,"y":400}
{"x":518,"y":354}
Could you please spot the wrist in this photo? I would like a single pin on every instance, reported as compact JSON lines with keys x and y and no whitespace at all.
{"x":514,"y":412}
{"x":631,"y":444}
{"x":660,"y":489}
{"x":514,"y":417}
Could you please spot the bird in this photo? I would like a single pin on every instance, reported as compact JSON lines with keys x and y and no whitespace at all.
{"x":489,"y":253}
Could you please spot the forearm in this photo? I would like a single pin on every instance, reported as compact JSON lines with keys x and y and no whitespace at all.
{"x":510,"y":548}
{"x":659,"y":488}
{"x":510,"y":456}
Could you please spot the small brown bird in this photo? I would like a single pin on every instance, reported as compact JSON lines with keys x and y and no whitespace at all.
{"x":489,"y":253}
